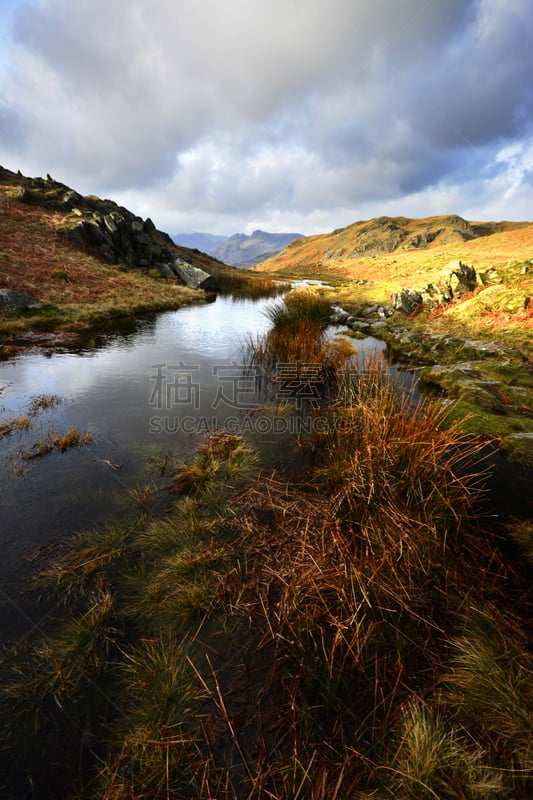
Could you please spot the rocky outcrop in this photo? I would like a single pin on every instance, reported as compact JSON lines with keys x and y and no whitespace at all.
{"x":119,"y":235}
{"x":113,"y":233}
{"x":11,"y":301}
{"x":407,"y":300}
{"x":454,"y":281}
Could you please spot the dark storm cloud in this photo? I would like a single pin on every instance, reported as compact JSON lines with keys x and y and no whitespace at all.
{"x":236,"y":110}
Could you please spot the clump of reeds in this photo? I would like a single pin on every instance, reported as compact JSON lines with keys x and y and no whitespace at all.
{"x":296,"y":347}
{"x":156,"y":754}
{"x":221,"y":455}
{"x":387,"y":453}
{"x":248,"y":286}
{"x":359,"y":577}
{"x":14,"y":424}
{"x":61,"y":442}
{"x":43,"y":402}
{"x":89,"y":559}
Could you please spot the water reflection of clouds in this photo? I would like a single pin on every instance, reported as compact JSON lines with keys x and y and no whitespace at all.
{"x":204,"y":334}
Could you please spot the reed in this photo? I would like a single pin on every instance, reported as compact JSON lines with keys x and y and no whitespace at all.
{"x":242,"y":284}
{"x":43,"y":402}
{"x":359,"y":577}
{"x":14,"y":424}
{"x":296,"y":348}
{"x":222,"y":456}
{"x":61,"y":442}
{"x":155,"y":748}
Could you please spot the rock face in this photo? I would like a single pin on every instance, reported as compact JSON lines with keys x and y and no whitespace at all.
{"x":11,"y":301}
{"x":112,"y":232}
{"x":120,"y":236}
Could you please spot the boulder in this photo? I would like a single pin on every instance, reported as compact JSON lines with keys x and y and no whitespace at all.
{"x":407,"y":300}
{"x":519,"y":447}
{"x":193,"y":276}
{"x":357,"y":325}
{"x":12,"y":301}
{"x":460,"y":277}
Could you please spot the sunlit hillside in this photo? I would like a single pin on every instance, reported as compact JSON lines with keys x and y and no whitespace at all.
{"x":368,"y":261}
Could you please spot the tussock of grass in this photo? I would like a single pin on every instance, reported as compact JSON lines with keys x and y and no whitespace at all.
{"x":490,"y":684}
{"x":24,"y":422}
{"x":521,"y":532}
{"x":248,"y":285}
{"x":296,"y":346}
{"x":432,"y":760}
{"x":14,"y":424}
{"x":59,"y":442}
{"x":43,"y":402}
{"x":157,"y":748}
{"x":221,"y":455}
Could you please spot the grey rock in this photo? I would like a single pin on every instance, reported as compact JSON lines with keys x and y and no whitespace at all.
{"x":407,"y":300}
{"x":109,"y":254}
{"x":164,"y":269}
{"x":358,"y":325}
{"x":70,"y":200}
{"x":110,"y":224}
{"x":369,"y":311}
{"x":490,"y":276}
{"x":12,"y":301}
{"x":338,"y":318}
{"x":193,"y":276}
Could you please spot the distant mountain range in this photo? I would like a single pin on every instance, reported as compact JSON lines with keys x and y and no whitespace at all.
{"x":240,"y":250}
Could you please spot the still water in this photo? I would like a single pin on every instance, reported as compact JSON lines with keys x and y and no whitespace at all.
{"x":152,"y":391}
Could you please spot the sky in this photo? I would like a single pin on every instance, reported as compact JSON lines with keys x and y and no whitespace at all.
{"x":224,"y":116}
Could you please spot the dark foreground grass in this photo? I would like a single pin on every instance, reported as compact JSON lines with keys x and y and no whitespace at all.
{"x":358,"y":635}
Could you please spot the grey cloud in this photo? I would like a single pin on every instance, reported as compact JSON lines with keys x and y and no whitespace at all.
{"x":261,"y":107}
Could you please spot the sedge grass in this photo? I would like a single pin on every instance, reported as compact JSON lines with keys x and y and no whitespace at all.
{"x":14,"y":424}
{"x":156,"y":750}
{"x":296,"y":349}
{"x":430,"y":759}
{"x":489,"y":683}
{"x":60,"y":442}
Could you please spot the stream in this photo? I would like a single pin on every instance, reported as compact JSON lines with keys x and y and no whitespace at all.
{"x":150,"y":390}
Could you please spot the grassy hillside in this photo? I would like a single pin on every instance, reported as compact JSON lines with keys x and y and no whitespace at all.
{"x":368,"y":261}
